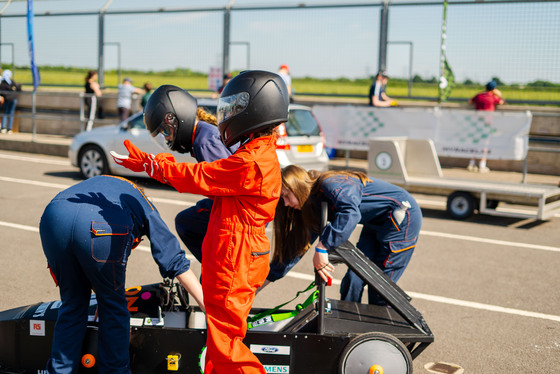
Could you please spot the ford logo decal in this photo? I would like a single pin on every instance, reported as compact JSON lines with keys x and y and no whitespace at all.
{"x":270,"y":349}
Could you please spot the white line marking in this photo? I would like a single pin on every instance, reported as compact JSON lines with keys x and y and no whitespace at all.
{"x":446,"y":300}
{"x":480,"y":306}
{"x":443,"y":204}
{"x":35,"y":183}
{"x":422,"y":202}
{"x":433,"y":298}
{"x":489,"y":241}
{"x":21,"y":227}
{"x":35,"y":160}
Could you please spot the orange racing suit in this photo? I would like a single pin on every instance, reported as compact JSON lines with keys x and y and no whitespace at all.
{"x":245,"y":188}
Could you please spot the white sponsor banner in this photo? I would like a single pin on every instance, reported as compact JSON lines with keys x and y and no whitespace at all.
{"x":455,"y":132}
{"x":468,"y":133}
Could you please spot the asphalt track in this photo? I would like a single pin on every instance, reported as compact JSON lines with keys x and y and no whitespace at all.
{"x":487,"y":286}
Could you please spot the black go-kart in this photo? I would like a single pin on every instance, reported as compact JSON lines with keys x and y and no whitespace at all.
{"x":168,"y":334}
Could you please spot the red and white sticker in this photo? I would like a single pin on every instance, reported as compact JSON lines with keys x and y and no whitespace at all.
{"x":36,"y":328}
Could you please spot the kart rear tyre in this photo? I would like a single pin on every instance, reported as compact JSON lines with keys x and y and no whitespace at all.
{"x":375,"y":348}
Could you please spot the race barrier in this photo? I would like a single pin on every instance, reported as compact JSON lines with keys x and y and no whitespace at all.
{"x":455,"y":132}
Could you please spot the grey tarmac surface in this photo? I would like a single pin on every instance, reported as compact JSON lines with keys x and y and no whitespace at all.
{"x":487,"y":286}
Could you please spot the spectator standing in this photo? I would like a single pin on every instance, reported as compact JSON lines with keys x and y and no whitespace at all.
{"x":284,"y":72}
{"x":124,"y":98}
{"x":377,"y":95}
{"x":485,"y":101}
{"x":10,"y":100}
{"x":218,"y":92}
{"x":148,"y":92}
{"x":93,"y":103}
{"x":488,"y":99}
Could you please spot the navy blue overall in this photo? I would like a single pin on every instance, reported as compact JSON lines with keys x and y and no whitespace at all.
{"x":88,"y":232}
{"x":385,"y":239}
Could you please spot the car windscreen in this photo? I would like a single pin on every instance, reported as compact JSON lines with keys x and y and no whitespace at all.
{"x":137,"y":122}
{"x":302,"y":123}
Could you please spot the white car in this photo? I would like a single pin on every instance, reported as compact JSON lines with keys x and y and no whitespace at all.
{"x":90,"y":150}
{"x":300,"y":141}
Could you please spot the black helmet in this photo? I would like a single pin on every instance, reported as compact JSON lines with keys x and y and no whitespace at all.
{"x":252,"y":101}
{"x":170,"y":116}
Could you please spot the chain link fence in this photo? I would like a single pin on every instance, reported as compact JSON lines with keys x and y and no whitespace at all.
{"x":332,"y":49}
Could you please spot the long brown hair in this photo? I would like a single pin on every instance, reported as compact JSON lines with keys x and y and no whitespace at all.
{"x":90,"y":74}
{"x":203,"y":115}
{"x":293,"y":227}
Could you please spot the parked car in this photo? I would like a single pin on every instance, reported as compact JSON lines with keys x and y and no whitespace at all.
{"x":300,"y":141}
{"x":90,"y":150}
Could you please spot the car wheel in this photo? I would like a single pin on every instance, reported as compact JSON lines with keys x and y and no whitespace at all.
{"x":461,"y":205}
{"x":92,"y":162}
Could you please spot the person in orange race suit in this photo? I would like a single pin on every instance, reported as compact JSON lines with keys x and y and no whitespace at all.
{"x":245,"y":188}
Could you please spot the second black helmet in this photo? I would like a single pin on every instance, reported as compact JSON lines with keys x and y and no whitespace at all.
{"x":252,"y":101}
{"x":170,"y":117}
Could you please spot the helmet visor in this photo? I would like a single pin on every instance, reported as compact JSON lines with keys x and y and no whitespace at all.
{"x":164,"y":135}
{"x":229,"y":106}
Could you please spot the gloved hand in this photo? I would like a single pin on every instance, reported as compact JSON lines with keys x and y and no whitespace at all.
{"x":152,"y":168}
{"x":135,"y":160}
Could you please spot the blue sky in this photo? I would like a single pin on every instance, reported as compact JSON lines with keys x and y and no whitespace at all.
{"x":516,"y":42}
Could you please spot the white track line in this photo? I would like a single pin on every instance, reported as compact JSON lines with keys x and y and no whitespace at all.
{"x":35,"y":183}
{"x":488,"y":241}
{"x":433,"y":298}
{"x":35,"y":160}
{"x":480,"y":306}
{"x":422,"y":202}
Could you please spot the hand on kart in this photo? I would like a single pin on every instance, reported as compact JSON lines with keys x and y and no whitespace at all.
{"x":135,"y":160}
{"x":322,"y":265}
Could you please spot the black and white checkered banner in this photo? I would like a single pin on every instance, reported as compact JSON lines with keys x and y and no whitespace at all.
{"x":455,"y":132}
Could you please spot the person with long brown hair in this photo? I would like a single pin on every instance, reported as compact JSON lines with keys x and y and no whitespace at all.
{"x":92,"y":102}
{"x":390,"y":216}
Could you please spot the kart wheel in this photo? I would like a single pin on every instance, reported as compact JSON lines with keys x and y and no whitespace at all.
{"x":375,"y":353}
{"x":460,"y":205}
{"x":92,"y":162}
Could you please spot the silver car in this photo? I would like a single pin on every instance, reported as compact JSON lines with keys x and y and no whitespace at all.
{"x":90,"y":150}
{"x":300,"y":142}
